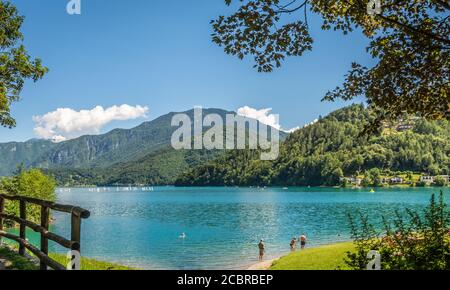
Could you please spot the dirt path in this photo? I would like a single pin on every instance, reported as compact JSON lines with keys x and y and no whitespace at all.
{"x":265,"y":265}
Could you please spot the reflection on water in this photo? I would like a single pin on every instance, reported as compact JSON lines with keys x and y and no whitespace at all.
{"x":142,"y":227}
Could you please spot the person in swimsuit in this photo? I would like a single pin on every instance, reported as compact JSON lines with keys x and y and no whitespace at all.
{"x":262,"y":250}
{"x":302,"y":240}
{"x":293,"y":244}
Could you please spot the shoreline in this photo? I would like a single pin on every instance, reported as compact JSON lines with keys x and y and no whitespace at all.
{"x":394,"y":186}
{"x":266,"y":264}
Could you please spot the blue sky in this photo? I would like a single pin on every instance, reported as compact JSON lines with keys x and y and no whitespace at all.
{"x":159,"y":54}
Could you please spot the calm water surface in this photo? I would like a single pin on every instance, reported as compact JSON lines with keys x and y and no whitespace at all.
{"x":141,"y":228}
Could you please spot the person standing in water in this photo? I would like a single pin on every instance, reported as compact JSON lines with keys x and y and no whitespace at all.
{"x":293,"y":244}
{"x":262,"y":250}
{"x":302,"y":240}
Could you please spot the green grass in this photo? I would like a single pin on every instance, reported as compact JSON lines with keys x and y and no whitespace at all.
{"x":21,"y":263}
{"x":90,"y":264}
{"x":18,"y":262}
{"x":329,"y":257}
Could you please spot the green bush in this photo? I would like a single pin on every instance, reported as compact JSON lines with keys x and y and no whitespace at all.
{"x":415,"y":241}
{"x":440,"y":181}
{"x":31,"y":183}
{"x":422,"y":184}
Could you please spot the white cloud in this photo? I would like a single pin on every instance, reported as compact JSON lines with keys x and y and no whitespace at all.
{"x":65,"y":123}
{"x":312,"y":123}
{"x":298,"y":128}
{"x":265,"y":117}
{"x":293,"y":130}
{"x":262,"y":115}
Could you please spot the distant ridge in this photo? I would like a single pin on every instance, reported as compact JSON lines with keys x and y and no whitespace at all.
{"x":138,"y":155}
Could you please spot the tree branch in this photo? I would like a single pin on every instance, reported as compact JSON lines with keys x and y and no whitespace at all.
{"x":415,"y":30}
{"x":283,"y":10}
{"x":443,"y":3}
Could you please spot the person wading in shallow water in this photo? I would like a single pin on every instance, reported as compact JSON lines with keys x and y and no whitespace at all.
{"x":302,"y":240}
{"x":262,"y":250}
{"x":293,"y":244}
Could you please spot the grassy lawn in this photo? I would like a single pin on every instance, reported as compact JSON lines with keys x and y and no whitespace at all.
{"x":90,"y":264}
{"x":20,"y":263}
{"x":329,"y":257}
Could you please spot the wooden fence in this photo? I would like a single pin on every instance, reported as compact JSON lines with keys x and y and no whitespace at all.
{"x":77,"y":214}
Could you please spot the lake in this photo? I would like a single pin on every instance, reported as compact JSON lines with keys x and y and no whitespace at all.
{"x":140,"y":227}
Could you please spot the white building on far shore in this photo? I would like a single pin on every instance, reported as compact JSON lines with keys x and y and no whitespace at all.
{"x":431,"y":179}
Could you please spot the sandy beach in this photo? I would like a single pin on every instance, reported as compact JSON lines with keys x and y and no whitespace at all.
{"x":264,"y":265}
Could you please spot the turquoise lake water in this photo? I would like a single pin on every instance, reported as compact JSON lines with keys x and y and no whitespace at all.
{"x":141,"y":228}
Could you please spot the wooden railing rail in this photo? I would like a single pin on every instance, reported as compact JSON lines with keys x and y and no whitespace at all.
{"x":77,"y":214}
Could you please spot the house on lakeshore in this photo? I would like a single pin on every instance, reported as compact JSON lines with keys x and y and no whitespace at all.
{"x":427,"y":179}
{"x":352,"y":180}
{"x":431,"y":179}
{"x":393,"y":180}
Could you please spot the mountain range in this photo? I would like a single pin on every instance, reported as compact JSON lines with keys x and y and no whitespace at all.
{"x":141,"y":155}
{"x":318,"y":154}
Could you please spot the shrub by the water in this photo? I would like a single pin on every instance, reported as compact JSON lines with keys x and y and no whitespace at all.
{"x":31,"y":183}
{"x":412,"y":241}
{"x":440,"y":181}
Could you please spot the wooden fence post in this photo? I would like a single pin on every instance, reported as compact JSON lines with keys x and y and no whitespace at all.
{"x":75,"y":236}
{"x":45,"y":215}
{"x":23,"y":235}
{"x":77,"y":214}
{"x":2,"y":209}
{"x":76,"y":232}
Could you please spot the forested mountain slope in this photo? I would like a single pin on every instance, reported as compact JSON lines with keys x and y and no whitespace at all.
{"x":96,"y":151}
{"x":322,"y":153}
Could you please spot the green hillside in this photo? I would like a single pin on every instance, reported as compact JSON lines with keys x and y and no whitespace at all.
{"x":323,"y":153}
{"x":119,"y":145}
{"x":141,"y":155}
{"x":99,"y":151}
{"x":158,"y":168}
{"x":13,"y":154}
